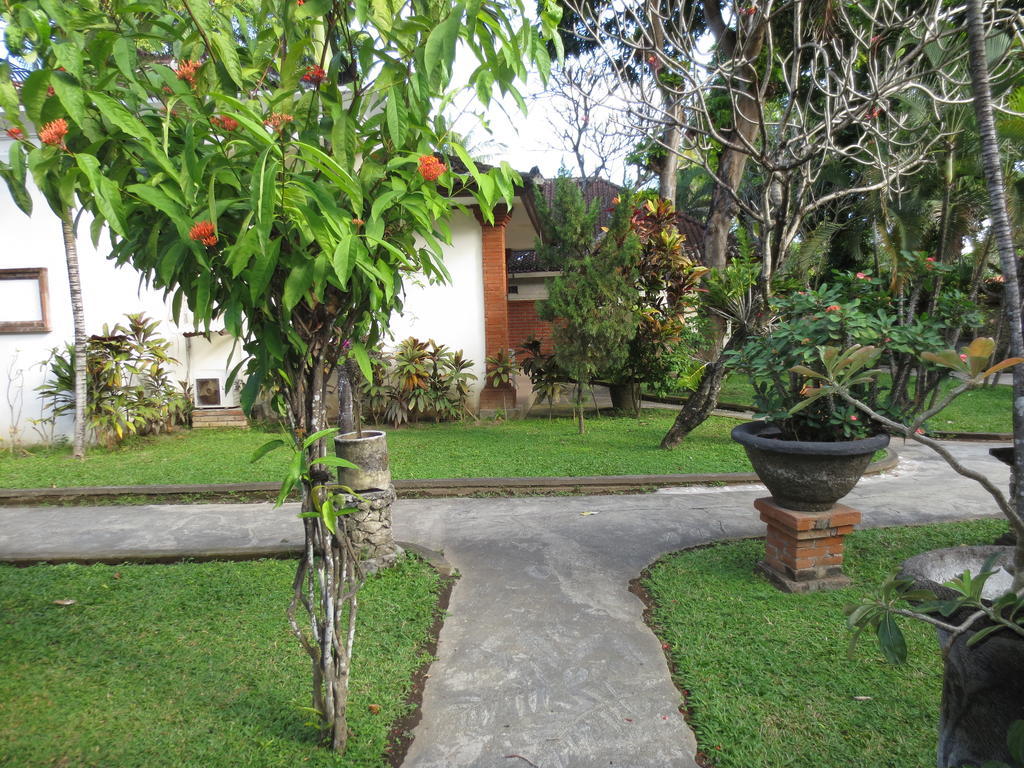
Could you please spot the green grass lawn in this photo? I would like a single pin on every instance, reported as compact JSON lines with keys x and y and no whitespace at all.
{"x":980,"y":410}
{"x":769,"y":680}
{"x":191,"y":664}
{"x":529,"y":447}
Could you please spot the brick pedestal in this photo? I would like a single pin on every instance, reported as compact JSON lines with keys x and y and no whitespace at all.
{"x":804,"y":550}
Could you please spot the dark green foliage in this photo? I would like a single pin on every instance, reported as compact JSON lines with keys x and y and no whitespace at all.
{"x":857,"y":310}
{"x":191,"y":665}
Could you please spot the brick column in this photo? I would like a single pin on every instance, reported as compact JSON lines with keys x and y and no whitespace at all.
{"x":495,"y":279}
{"x":804,"y":550}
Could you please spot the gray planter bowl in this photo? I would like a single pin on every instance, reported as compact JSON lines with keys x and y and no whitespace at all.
{"x":805,"y":476}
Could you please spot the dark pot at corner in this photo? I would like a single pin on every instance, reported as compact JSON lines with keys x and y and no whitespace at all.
{"x":982,"y":685}
{"x":801,"y":475}
{"x":369,"y":451}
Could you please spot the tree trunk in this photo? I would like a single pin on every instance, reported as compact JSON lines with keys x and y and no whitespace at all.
{"x":346,"y":409}
{"x":982,"y":92}
{"x":328,"y":576}
{"x":626,"y":397}
{"x":81,"y":340}
{"x":702,"y":402}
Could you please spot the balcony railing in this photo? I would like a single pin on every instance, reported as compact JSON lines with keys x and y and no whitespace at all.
{"x":527,"y":261}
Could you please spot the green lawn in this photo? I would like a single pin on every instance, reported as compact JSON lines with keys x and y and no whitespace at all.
{"x":768,"y":677}
{"x":980,"y":410}
{"x":529,"y":447}
{"x":191,"y":665}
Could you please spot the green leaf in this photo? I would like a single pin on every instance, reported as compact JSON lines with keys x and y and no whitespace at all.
{"x":227,"y":52}
{"x":317,"y":435}
{"x":298,"y":282}
{"x":1015,"y":741}
{"x":106,"y":193}
{"x":120,"y":117}
{"x":312,"y":9}
{"x":71,"y":96}
{"x":335,"y":461}
{"x":358,"y":351}
{"x":439,"y":52}
{"x":17,"y":177}
{"x":267,"y":447}
{"x":891,"y":641}
{"x":126,"y":57}
{"x":34,"y":95}
{"x":247,"y":398}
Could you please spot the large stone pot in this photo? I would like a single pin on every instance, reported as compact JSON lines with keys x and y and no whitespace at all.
{"x":982,"y":686}
{"x":369,"y":451}
{"x":805,"y":476}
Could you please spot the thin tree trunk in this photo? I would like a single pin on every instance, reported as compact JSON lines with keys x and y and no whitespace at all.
{"x":703,"y":401}
{"x":981,"y":88}
{"x":81,"y":340}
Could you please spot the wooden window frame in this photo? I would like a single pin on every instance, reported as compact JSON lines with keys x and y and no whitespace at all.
{"x":29,"y":326}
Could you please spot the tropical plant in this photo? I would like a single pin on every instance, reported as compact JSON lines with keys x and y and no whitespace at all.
{"x":128,"y":384}
{"x":273,"y":164}
{"x":418,"y":379}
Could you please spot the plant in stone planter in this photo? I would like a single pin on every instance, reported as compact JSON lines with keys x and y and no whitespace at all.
{"x":980,"y":618}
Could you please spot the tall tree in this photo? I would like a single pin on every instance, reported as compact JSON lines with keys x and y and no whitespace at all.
{"x":981,"y":88}
{"x":786,"y":94}
{"x":273,"y":164}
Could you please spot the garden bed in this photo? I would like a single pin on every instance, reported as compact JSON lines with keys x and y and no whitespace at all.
{"x":193,"y":664}
{"x":766,"y":676}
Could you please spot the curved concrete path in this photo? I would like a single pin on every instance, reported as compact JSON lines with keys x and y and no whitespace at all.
{"x":544,"y":658}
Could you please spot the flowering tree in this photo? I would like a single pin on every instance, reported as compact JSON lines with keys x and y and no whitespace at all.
{"x":272,"y":164}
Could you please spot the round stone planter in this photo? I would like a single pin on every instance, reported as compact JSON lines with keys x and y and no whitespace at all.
{"x":369,"y":452}
{"x":982,"y":685}
{"x":805,"y":476}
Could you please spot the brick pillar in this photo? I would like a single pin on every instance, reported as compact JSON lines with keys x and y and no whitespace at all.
{"x":495,"y":278}
{"x":804,"y":550}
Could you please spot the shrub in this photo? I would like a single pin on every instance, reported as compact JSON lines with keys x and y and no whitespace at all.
{"x":128,"y":385}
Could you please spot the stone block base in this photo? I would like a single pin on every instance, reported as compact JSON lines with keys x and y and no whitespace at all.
{"x":369,"y":528}
{"x":804,"y":550}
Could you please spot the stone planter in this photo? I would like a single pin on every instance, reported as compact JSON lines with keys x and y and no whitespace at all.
{"x":805,"y":476}
{"x":982,"y":686}
{"x":370,"y":453}
{"x":625,"y":397}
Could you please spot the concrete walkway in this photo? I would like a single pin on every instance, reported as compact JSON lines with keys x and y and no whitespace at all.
{"x":544,"y":656}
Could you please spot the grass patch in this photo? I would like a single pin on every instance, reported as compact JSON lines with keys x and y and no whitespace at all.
{"x":613,"y":445}
{"x":191,"y":664}
{"x":768,"y":677}
{"x":988,"y":409}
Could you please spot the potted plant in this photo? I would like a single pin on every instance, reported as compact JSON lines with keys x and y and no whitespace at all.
{"x":979,"y":618}
{"x":811,"y":453}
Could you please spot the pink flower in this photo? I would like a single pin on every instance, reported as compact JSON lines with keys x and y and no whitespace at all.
{"x":833,"y":308}
{"x":861,"y":276}
{"x":963,"y":357}
{"x":854,"y":417}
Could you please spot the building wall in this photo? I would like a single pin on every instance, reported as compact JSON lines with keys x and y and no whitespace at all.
{"x":523,"y":323}
{"x":108,"y":291}
{"x":451,"y":313}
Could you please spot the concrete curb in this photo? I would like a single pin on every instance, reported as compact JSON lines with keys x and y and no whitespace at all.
{"x":426,"y":487}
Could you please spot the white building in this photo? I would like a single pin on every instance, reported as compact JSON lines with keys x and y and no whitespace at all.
{"x":481,"y":310}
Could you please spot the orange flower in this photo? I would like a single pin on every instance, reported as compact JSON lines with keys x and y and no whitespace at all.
{"x":204,"y":232}
{"x":53,"y":133}
{"x":832,"y":308}
{"x":431,"y":168}
{"x":277,"y":120}
{"x":16,"y":133}
{"x":187,"y":70}
{"x":224,"y":122}
{"x":314,"y":76}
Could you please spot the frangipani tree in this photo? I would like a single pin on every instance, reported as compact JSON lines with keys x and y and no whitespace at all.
{"x":271,"y":164}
